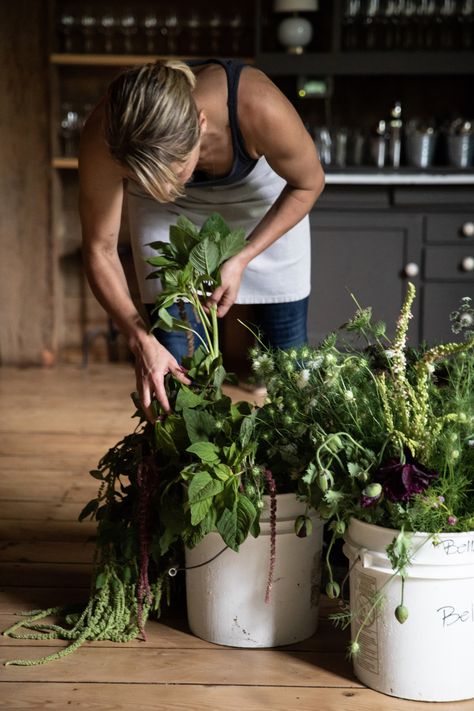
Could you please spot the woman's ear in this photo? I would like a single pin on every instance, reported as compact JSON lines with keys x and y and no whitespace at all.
{"x":202,"y":121}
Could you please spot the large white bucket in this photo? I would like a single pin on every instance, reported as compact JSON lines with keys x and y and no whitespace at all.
{"x":226,"y":597}
{"x":430,"y":656}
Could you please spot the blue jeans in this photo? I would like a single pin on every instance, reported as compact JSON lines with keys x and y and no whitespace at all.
{"x":280,"y":326}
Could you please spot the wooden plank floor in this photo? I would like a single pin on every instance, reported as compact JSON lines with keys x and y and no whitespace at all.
{"x":54,"y":426}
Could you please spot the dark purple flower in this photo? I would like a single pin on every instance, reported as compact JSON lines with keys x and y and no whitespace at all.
{"x":401,"y":480}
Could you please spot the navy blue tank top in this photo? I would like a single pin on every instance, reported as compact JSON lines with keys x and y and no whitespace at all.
{"x":242,"y":164}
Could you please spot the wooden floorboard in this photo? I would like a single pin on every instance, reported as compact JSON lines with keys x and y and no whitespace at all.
{"x":54,"y":426}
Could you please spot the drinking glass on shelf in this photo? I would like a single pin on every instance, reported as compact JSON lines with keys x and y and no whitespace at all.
{"x":129,"y":28}
{"x":88,"y":26}
{"x":69,"y":130}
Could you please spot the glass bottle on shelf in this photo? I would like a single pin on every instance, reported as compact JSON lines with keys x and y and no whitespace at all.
{"x":67,"y":29}
{"x":351,"y":25}
{"x":108,"y":26}
{"x":192,"y":41}
{"x":129,"y":29}
{"x":215,"y":32}
{"x":236,"y":27}
{"x":88,"y":28}
{"x":395,"y":128}
{"x":171,"y":31}
{"x":149,"y":29}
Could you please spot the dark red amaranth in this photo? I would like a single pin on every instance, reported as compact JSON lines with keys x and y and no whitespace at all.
{"x":273,"y":508}
{"x":146,"y":478}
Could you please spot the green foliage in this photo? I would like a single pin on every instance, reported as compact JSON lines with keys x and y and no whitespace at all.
{"x":337,"y":413}
{"x":170,"y":483}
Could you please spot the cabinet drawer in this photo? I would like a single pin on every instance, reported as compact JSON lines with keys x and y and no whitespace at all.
{"x":450,"y":228}
{"x":450,"y":263}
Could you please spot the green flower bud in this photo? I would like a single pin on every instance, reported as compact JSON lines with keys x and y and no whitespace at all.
{"x":287,"y":420}
{"x":333,"y":590}
{"x":303,"y":526}
{"x":325,"y":480}
{"x":250,"y":490}
{"x":372,"y":490}
{"x":354,"y":648}
{"x":340,"y":527}
{"x":401,"y":613}
{"x":334,"y":443}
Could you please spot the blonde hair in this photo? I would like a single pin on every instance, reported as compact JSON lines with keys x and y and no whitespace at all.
{"x":152,"y":122}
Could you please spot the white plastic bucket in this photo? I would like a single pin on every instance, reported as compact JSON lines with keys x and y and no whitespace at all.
{"x":428,"y":657}
{"x":226,"y":597}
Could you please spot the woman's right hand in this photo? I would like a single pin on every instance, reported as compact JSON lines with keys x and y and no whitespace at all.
{"x":152,"y":362}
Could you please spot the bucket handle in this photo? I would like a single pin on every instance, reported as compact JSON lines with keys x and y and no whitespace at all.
{"x":173,"y":571}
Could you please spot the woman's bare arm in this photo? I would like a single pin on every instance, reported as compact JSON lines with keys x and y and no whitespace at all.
{"x":100,"y":206}
{"x":271,"y":127}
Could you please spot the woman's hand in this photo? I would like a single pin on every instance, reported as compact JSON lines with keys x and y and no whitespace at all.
{"x":152,"y":362}
{"x":225,"y":294}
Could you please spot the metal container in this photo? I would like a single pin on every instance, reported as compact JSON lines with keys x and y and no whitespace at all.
{"x":461,"y":150}
{"x":420,"y":148}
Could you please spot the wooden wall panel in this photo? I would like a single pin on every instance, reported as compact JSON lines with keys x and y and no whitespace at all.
{"x":28,"y":262}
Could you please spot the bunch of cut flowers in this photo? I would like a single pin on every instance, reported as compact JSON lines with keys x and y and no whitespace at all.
{"x":370,"y":428}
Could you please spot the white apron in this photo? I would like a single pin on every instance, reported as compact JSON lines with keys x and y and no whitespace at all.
{"x":279,"y":274}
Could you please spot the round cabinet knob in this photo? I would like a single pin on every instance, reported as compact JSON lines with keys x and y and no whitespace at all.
{"x":468,"y":229}
{"x":467,"y":264}
{"x":412,"y":269}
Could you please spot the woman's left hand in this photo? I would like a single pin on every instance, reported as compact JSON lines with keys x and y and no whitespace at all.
{"x":225,"y":294}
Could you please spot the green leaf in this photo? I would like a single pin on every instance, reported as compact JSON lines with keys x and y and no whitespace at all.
{"x":187,"y":399}
{"x":246,"y":430}
{"x":234,"y":524}
{"x":206,"y":451}
{"x":230,"y":245}
{"x":187,"y":226}
{"x":161,"y":261}
{"x":166,"y":317}
{"x":310,"y":474}
{"x":164,"y":440}
{"x":205,"y":257}
{"x":89,"y":509}
{"x":97,"y":474}
{"x":182,"y":243}
{"x":222,"y":471}
{"x":214,"y":224}
{"x":354,"y":469}
{"x":227,"y":527}
{"x":203,"y":486}
{"x":199,"y":510}
{"x":159,"y":245}
{"x":199,"y":425}
{"x":219,"y":376}
{"x":201,"y":491}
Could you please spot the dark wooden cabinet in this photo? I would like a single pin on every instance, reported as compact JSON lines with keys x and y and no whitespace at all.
{"x":372,"y":252}
{"x":365,"y":256}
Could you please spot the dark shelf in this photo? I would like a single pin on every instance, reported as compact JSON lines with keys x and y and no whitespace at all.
{"x":367,"y":63}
